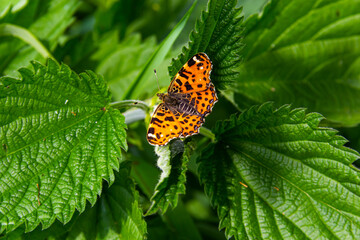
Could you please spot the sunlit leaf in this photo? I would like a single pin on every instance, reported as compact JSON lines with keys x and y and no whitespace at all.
{"x":60,"y":140}
{"x":275,"y":174}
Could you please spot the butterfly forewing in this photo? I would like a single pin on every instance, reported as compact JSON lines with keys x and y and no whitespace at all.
{"x":193,"y":76}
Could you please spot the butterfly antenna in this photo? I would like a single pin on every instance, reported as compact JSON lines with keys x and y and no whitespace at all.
{"x":157,"y":80}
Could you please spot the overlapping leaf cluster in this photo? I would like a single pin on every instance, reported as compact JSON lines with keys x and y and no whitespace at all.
{"x":305,"y":53}
{"x":275,"y":173}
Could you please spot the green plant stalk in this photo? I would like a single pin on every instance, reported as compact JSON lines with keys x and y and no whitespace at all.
{"x":26,"y":36}
{"x":130,"y":104}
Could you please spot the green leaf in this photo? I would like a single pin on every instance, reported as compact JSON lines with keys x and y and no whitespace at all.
{"x":175,"y":224}
{"x":46,"y":20}
{"x":173,"y":160}
{"x":116,"y":215}
{"x":121,"y":63}
{"x":305,"y":53}
{"x":218,"y":34}
{"x":60,"y":139}
{"x":274,"y":174}
{"x":143,"y":79}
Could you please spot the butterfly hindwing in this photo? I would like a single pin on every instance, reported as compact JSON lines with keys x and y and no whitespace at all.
{"x":204,"y":100}
{"x":163,"y":126}
{"x":193,"y":76}
{"x":190,"y":124}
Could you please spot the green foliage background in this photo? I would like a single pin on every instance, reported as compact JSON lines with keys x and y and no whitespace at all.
{"x":77,"y":90}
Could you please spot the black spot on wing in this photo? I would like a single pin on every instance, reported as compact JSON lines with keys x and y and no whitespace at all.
{"x":182,"y":72}
{"x":200,"y":56}
{"x":191,"y":62}
{"x":178,"y":81}
{"x":156,"y":120}
{"x":170,"y":119}
{"x":151,"y":130}
{"x":188,"y":86}
{"x":183,"y":75}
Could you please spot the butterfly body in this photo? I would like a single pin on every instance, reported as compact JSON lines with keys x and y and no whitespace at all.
{"x":179,"y":103}
{"x":190,"y":97}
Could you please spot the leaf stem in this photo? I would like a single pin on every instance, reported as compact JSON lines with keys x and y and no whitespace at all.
{"x":129,"y":104}
{"x":208,"y":133}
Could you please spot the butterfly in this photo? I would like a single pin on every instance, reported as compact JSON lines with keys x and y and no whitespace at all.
{"x":189,"y":99}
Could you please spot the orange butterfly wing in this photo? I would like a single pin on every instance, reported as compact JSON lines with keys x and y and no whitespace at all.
{"x":193,"y":76}
{"x":193,"y":83}
{"x":204,"y":100}
{"x":190,"y":124}
{"x":163,"y":126}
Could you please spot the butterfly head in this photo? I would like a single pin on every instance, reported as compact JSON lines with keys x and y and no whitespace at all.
{"x":161,"y":96}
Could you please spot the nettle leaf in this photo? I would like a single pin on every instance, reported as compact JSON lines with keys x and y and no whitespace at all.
{"x":274,"y":174}
{"x":115,"y":215}
{"x":305,"y":53}
{"x":173,"y":160}
{"x":218,"y":34}
{"x":59,"y":141}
